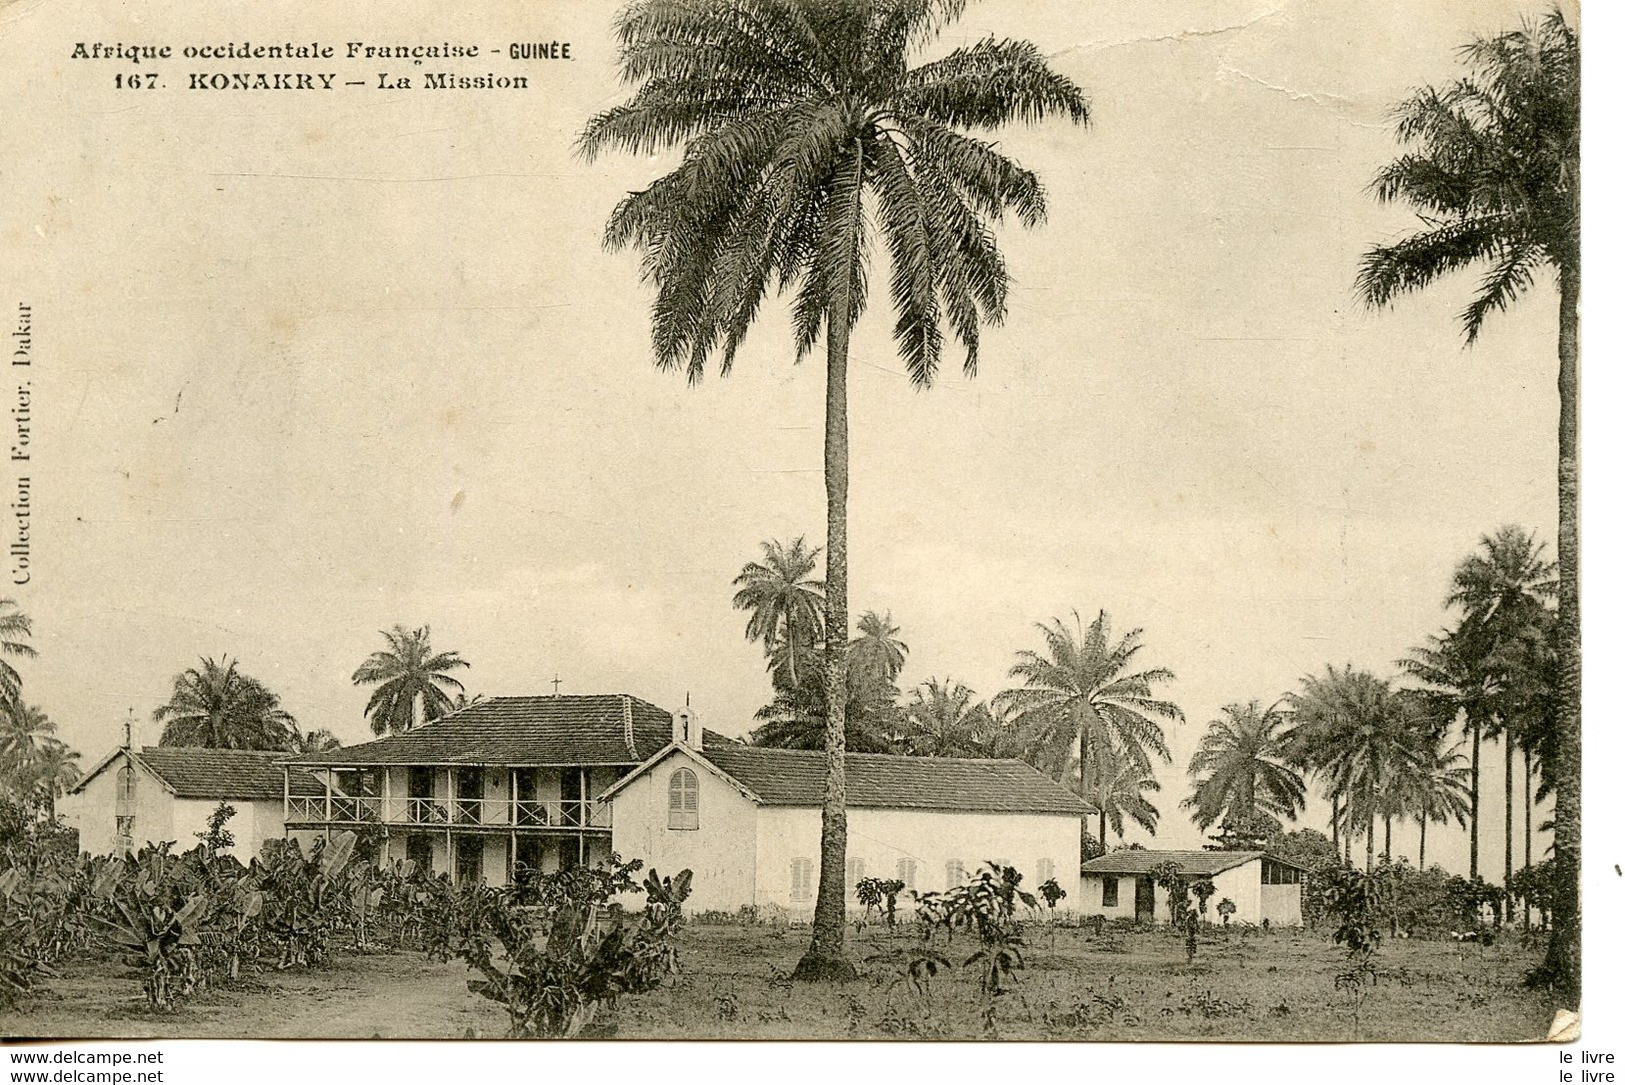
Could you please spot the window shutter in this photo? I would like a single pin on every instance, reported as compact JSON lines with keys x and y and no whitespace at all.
{"x":1046,"y":870}
{"x":801,"y":879}
{"x":683,"y":801}
{"x":906,"y":872}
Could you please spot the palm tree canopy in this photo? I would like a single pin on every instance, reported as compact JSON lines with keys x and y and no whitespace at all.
{"x":313,"y":742}
{"x":15,"y":628}
{"x":411,"y":679}
{"x":1494,"y":174}
{"x":1081,"y":696}
{"x":218,"y":706}
{"x":943,"y":718}
{"x":876,"y":648}
{"x":1353,"y":730}
{"x":24,"y":730}
{"x":795,"y":115}
{"x":1116,"y":786}
{"x":785,"y":603}
{"x":1243,"y":757}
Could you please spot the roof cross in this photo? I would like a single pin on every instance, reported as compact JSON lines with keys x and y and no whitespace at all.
{"x":555,"y":683}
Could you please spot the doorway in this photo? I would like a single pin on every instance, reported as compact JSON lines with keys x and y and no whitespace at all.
{"x":1145,"y":900}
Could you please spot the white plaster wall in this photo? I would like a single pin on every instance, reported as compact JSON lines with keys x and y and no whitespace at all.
{"x":1282,"y":905}
{"x":721,"y":852}
{"x":929,"y":837}
{"x":1240,"y":884}
{"x":160,"y":816}
{"x":94,"y":810}
{"x":1093,"y":895}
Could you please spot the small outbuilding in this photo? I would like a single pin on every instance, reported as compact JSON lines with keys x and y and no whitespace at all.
{"x":746,"y":820}
{"x":132,"y":798}
{"x":1262,"y":886}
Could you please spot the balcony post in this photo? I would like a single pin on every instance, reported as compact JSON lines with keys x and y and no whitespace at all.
{"x":327,"y":780}
{"x":451,"y":816}
{"x":285,"y":803}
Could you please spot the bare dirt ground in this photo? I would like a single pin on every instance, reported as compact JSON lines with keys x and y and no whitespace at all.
{"x":734,"y":984}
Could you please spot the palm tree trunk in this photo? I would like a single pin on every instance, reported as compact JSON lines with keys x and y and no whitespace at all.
{"x":1388,"y":837}
{"x":1336,"y":842}
{"x":825,"y":958}
{"x":1472,"y":818}
{"x":1370,"y":843}
{"x":1506,"y":878}
{"x":1528,"y":852}
{"x":1562,"y":965}
{"x":1422,"y":848}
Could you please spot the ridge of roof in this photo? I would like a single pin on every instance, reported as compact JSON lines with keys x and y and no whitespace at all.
{"x":528,"y":729}
{"x":778,"y":777}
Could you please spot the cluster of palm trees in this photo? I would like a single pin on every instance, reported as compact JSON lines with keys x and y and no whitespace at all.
{"x":1385,"y":752}
{"x":216,"y":704}
{"x":36,"y":767}
{"x":810,"y":130}
{"x":1082,"y":712}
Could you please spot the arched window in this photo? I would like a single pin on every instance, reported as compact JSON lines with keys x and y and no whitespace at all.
{"x":683,"y":801}
{"x":126,"y":783}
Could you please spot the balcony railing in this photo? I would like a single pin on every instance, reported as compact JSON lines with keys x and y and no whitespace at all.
{"x":431,"y":813}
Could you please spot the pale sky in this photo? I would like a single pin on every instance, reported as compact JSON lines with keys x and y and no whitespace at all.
{"x":311,"y":366}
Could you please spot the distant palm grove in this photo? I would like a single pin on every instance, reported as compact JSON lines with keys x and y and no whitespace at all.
{"x":1380,"y":749}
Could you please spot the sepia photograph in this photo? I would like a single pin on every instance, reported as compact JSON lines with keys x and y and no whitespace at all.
{"x":794,"y":520}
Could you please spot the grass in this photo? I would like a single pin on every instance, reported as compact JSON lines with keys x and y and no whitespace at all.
{"x":733,"y":984}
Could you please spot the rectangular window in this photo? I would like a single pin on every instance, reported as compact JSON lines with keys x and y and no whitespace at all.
{"x":1108,"y":893}
{"x":1046,"y":870}
{"x":954,"y":874}
{"x":906,"y":872}
{"x":854,"y":874}
{"x":801,"y":879}
{"x":126,"y":831}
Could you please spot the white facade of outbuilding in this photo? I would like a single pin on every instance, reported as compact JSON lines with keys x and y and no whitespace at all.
{"x":133,"y":798}
{"x":1262,"y":886}
{"x":747,"y":822}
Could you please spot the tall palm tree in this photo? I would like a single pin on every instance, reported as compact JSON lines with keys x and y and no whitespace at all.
{"x":1351,"y":730}
{"x":1244,"y":757}
{"x":943,"y":718}
{"x":1081,"y":701}
{"x":1503,"y":591}
{"x":1116,"y":785}
{"x":15,"y":627}
{"x":1495,"y":179}
{"x":804,"y":128}
{"x":411,"y":679}
{"x":218,"y":706}
{"x":1433,"y":786}
{"x":876,"y":649}
{"x":785,"y":603}
{"x":1458,"y":679}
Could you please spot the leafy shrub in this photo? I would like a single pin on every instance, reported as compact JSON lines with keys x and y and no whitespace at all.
{"x":567,"y":956}
{"x":880,"y":894}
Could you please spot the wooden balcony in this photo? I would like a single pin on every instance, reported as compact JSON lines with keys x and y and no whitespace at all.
{"x":469,"y":815}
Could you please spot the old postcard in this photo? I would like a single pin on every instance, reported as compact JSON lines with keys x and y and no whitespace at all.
{"x":791,"y":519}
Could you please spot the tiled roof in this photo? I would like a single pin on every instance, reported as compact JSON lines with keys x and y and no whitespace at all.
{"x":885,"y":781}
{"x":198,"y":773}
{"x":1206,"y":863}
{"x":560,"y":730}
